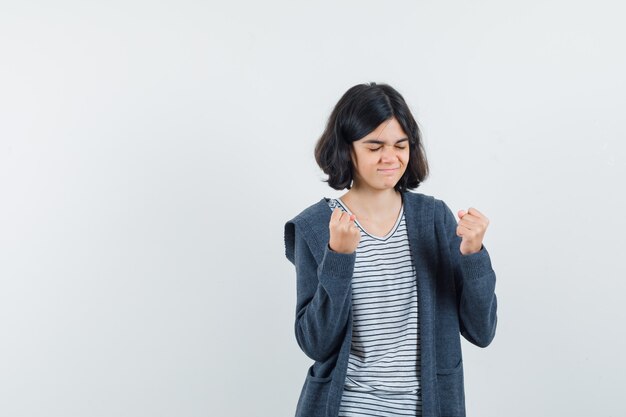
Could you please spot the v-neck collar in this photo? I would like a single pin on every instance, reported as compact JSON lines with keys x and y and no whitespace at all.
{"x":383,"y":238}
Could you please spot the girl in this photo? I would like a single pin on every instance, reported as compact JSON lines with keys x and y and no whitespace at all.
{"x":387,"y":280}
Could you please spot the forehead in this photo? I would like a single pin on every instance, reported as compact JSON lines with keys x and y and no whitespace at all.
{"x":388,"y":131}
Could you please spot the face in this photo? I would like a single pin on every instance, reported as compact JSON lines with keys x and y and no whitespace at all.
{"x":381,"y":157}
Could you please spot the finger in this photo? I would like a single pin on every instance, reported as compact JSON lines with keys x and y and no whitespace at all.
{"x":464,"y":228}
{"x":351,"y":222}
{"x":471,"y":212}
{"x":474,"y":216}
{"x":473,"y":222}
{"x":464,"y":232}
{"x":475,"y":212}
{"x":340,"y":216}
{"x":478,"y":215}
{"x":347,"y":217}
{"x":470,"y":221}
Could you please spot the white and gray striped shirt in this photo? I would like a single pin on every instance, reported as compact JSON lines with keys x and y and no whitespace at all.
{"x":383,"y":376}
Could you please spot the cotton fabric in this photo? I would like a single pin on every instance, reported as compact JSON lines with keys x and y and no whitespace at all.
{"x":456,"y":297}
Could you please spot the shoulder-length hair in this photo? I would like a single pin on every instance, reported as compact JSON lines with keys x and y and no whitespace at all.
{"x":360,"y":111}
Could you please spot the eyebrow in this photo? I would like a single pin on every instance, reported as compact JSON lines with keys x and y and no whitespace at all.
{"x":380,"y":142}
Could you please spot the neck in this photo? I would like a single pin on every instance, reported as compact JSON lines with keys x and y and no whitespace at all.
{"x":372,"y":202}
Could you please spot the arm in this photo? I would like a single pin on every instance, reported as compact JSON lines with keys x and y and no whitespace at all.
{"x":323,"y":301}
{"x":475,"y":283}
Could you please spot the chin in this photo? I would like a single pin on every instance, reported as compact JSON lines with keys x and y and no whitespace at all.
{"x":389,"y":186}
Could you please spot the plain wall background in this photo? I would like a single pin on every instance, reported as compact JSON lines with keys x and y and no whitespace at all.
{"x":151,"y":152}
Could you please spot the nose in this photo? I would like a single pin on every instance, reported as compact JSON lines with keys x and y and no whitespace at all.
{"x":389,"y":154}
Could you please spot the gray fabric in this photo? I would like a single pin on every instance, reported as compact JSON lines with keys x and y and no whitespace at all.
{"x":456,"y":297}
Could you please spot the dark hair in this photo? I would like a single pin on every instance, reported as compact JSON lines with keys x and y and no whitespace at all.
{"x":360,"y":111}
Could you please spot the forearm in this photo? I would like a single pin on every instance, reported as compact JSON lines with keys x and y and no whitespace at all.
{"x":478,"y":302}
{"x":323,"y":305}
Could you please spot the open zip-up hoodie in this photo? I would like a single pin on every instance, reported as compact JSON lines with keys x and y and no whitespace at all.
{"x":456,"y":296}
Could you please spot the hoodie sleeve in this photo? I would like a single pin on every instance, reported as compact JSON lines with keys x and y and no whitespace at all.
{"x":475,"y":282}
{"x":323,"y":294}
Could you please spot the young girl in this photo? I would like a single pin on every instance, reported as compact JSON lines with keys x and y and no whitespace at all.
{"x":387,"y":280}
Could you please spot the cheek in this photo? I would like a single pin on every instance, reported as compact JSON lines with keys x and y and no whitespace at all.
{"x":368,"y":158}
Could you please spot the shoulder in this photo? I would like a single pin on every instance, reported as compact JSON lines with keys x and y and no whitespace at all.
{"x":414,"y":199}
{"x":417,"y":197}
{"x":313,"y":213}
{"x":428,"y":205}
{"x":307,"y":225}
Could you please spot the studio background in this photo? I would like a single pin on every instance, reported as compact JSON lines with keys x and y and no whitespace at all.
{"x":151,"y":152}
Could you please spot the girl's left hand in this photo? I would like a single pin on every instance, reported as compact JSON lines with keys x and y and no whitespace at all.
{"x":471,"y":228}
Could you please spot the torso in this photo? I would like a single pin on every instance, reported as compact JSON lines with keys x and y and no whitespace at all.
{"x":384,"y":363}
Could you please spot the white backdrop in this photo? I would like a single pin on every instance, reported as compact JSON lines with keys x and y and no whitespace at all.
{"x":151,"y":152}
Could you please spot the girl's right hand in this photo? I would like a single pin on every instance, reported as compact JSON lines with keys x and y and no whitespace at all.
{"x":344,"y":233}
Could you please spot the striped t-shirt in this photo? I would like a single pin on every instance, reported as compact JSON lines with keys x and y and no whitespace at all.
{"x":383,"y":376}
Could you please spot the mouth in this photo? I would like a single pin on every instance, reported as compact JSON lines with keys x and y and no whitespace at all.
{"x":388,"y":170}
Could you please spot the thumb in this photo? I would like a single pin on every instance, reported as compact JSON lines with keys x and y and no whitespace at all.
{"x":461,"y":213}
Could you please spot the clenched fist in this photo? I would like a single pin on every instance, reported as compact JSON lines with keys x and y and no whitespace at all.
{"x":471,"y":228}
{"x":344,"y":233}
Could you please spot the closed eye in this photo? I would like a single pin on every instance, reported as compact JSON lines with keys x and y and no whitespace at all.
{"x":379,"y":148}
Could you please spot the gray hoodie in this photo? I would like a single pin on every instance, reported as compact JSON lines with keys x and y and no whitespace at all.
{"x":456,"y":296}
